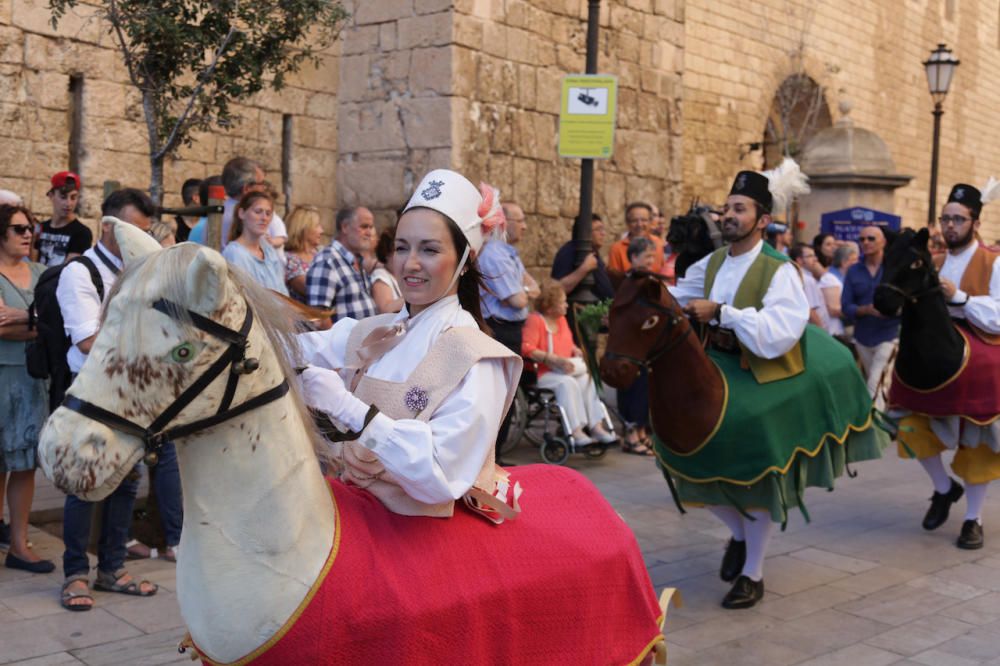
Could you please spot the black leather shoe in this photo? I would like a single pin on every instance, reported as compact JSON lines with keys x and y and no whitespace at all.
{"x":941,"y":505}
{"x":971,"y":537}
{"x":39,"y":567}
{"x":745,"y":593}
{"x":733,"y":560}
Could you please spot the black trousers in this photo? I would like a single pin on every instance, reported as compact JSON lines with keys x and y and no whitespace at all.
{"x":509,"y":334}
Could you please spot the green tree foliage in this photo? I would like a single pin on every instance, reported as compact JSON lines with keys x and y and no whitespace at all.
{"x":191,"y":59}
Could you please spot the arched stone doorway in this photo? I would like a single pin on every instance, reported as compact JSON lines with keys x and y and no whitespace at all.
{"x":798,"y":111}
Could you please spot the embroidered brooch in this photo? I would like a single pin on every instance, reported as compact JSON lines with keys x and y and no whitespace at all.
{"x":959,"y":193}
{"x":433,"y":190}
{"x":416,"y":399}
{"x":741,"y":182}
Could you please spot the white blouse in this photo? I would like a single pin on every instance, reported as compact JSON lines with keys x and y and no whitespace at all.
{"x":769,"y":332}
{"x":437,"y":460}
{"x":982,"y":311}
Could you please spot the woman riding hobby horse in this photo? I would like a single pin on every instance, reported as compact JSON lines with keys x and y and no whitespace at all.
{"x":320,"y":570}
{"x":742,"y":430}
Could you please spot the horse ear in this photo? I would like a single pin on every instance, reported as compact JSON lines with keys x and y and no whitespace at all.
{"x":920,"y":240}
{"x":133,"y":242}
{"x":206,"y":281}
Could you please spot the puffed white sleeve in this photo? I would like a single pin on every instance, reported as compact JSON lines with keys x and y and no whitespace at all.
{"x":438,"y":460}
{"x":326,"y":349}
{"x":779,"y":324}
{"x":984,"y":311}
{"x":692,"y":285}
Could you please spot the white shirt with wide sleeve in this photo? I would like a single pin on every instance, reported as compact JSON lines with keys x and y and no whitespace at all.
{"x":436,"y":460}
{"x":769,"y":332}
{"x":79,"y":302}
{"x":981,"y":311}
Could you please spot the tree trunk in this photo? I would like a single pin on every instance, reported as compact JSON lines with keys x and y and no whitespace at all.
{"x":155,"y":163}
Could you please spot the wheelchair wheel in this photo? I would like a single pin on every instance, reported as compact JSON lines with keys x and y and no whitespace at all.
{"x":518,"y":422}
{"x":555,"y":450}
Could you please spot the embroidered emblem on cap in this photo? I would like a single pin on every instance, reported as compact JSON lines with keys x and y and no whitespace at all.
{"x":959,"y":193}
{"x":433,"y":190}
{"x":741,"y":182}
{"x":416,"y":399}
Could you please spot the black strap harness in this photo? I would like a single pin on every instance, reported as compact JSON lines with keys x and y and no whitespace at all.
{"x":156,"y":433}
{"x":672,"y":321}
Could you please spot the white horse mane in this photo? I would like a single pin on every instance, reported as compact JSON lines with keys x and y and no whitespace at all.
{"x":163,"y":274}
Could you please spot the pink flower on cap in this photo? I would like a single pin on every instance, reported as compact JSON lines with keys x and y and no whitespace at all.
{"x":491,"y":212}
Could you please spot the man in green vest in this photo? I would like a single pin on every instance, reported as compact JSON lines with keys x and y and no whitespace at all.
{"x":795,"y":409}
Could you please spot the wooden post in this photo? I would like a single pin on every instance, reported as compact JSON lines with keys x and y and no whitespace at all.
{"x":213,"y":234}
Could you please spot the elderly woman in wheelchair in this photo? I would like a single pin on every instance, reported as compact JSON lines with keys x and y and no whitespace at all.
{"x":560,"y":367}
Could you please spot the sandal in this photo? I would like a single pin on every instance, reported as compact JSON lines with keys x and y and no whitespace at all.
{"x":169,"y":554}
{"x":67,"y":596}
{"x":137,"y":550}
{"x":637,"y":448}
{"x":112,"y":583}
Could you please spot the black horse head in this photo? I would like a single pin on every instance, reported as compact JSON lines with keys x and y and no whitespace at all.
{"x":691,"y":237}
{"x":908,"y":273}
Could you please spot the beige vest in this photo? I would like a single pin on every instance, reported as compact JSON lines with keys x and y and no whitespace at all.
{"x":438,"y":374}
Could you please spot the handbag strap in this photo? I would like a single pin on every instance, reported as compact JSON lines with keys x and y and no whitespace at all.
{"x":17,"y":290}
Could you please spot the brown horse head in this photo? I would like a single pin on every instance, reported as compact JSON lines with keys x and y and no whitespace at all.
{"x":645,"y":321}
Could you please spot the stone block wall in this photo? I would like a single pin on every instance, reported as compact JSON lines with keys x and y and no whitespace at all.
{"x":36,"y":63}
{"x":394,"y":102}
{"x":508,"y":61}
{"x":735,"y":57}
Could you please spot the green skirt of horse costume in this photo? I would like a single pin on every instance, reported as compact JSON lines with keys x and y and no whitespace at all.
{"x":777,"y":439}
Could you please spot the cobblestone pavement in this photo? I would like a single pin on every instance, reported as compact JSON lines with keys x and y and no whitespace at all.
{"x":861,"y":585}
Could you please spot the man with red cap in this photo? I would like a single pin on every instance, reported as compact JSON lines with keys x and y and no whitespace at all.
{"x":63,"y":236}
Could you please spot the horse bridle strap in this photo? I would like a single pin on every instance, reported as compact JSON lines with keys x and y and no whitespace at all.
{"x":912,"y":297}
{"x":155,"y":435}
{"x":656,"y":353}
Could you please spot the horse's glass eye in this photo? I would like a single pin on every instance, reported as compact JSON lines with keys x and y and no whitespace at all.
{"x":182,"y":353}
{"x":650,"y":323}
{"x":917,"y":264}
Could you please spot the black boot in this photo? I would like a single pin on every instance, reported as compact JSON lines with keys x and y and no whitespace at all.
{"x":745,"y":593}
{"x":971,"y":537}
{"x":941,"y":505}
{"x":733,"y":560}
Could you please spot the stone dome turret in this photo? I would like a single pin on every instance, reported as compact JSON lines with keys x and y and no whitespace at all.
{"x":846,"y":149}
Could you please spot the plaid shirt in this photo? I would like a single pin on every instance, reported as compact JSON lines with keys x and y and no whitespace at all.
{"x":333,"y":281}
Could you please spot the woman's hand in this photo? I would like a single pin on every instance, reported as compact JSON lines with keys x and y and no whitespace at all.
{"x":562,"y":364}
{"x":10,"y":316}
{"x":324,"y":391}
{"x":577,"y":352}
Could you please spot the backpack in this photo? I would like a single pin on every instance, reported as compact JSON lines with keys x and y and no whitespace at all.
{"x":45,"y":356}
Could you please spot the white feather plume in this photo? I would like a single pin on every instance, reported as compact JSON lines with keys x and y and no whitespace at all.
{"x":786,"y":182}
{"x":990,"y":191}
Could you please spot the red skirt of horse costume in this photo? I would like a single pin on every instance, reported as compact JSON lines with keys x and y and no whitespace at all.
{"x":563,"y":584}
{"x":973,"y":393}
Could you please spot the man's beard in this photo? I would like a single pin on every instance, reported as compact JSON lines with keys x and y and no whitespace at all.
{"x":959,"y":243}
{"x":733,"y":234}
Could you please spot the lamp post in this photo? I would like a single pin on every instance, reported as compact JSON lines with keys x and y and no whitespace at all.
{"x":584,"y":292}
{"x":940,"y":68}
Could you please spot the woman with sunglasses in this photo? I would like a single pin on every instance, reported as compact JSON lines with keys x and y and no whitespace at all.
{"x":24,"y":399}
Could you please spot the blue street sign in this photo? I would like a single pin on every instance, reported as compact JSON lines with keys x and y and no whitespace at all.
{"x":847,"y":224}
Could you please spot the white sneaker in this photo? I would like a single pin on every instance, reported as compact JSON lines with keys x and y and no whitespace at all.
{"x":582,"y":439}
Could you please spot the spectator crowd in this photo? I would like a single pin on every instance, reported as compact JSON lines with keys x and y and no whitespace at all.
{"x":348,"y":277}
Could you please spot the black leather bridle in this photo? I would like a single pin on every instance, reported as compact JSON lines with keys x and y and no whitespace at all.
{"x":234,"y":357}
{"x":672,"y":321}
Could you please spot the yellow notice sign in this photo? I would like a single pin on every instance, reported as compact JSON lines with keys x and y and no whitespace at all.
{"x":587,"y":116}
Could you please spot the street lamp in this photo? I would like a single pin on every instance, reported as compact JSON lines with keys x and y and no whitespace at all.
{"x":940,"y":68}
